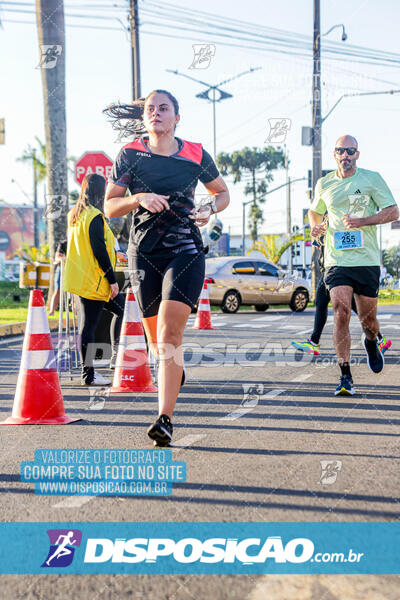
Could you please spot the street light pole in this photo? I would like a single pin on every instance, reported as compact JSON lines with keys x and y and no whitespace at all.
{"x":35,"y":202}
{"x":213,"y":99}
{"x":244,"y":204}
{"x":316,"y":124}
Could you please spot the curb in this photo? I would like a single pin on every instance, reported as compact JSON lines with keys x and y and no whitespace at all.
{"x":19,"y":328}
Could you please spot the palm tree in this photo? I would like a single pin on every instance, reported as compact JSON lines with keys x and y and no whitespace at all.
{"x":51,"y":36}
{"x":272,"y":246}
{"x":37,"y":156}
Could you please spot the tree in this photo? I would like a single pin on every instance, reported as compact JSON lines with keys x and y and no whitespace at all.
{"x":391,"y":260}
{"x":51,"y":37}
{"x":38,"y":156}
{"x":255,"y":166}
{"x":272,"y":247}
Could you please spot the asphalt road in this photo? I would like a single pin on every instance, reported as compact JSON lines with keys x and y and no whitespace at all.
{"x":252,"y":423}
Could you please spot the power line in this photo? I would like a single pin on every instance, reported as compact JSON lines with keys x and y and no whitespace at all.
{"x":266,"y":38}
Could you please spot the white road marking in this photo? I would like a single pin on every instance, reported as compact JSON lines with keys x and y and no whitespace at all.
{"x":187,"y":440}
{"x":304,"y":331}
{"x":252,"y":325}
{"x":302,"y":377}
{"x":243,"y":410}
{"x":13,"y":340}
{"x":73,"y":502}
{"x":271,"y":318}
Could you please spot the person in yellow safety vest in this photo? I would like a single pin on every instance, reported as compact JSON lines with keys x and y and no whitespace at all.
{"x":89,"y":272}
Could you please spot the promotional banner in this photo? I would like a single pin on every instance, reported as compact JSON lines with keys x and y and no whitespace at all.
{"x":213,"y":548}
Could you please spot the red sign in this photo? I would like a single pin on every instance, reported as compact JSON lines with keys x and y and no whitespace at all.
{"x":93,"y":162}
{"x":395,"y":225}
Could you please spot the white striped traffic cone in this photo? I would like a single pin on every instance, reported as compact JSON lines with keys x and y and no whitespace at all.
{"x":38,"y":399}
{"x":203,"y":317}
{"x":132,"y":371}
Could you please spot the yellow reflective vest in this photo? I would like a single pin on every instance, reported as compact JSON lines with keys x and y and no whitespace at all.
{"x":83,"y":275}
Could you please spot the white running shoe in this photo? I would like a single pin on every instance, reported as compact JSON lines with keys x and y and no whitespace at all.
{"x":98,"y":380}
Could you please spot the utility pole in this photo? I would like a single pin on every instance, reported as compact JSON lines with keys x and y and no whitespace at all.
{"x":2,"y":131}
{"x":316,"y":125}
{"x":289,"y":219}
{"x":288,"y":208}
{"x":134,"y":29}
{"x":35,"y":202}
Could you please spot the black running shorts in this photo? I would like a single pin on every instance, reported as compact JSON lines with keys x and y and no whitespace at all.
{"x":153,"y":279}
{"x":363,"y":280}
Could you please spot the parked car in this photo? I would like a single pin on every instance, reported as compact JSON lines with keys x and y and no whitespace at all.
{"x":234,"y":280}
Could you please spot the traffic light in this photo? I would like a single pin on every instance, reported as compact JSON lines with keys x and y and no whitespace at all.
{"x":309,"y":176}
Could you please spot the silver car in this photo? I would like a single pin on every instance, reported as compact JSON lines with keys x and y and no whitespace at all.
{"x":233,"y":281}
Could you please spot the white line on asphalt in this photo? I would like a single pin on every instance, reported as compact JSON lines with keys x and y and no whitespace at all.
{"x":270,"y":318}
{"x":252,"y":325}
{"x":187,"y":440}
{"x":273,"y":393}
{"x":12,"y":340}
{"x":243,"y":410}
{"x":302,"y":377}
{"x":73,"y":502}
{"x":303,"y":331}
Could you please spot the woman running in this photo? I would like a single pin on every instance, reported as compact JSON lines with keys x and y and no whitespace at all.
{"x":89,"y":272}
{"x":161,"y":172}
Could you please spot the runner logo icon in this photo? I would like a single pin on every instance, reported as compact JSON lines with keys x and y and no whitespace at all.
{"x":62,"y":547}
{"x":330,"y":470}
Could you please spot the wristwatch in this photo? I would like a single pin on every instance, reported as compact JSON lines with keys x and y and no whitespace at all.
{"x":213,"y":207}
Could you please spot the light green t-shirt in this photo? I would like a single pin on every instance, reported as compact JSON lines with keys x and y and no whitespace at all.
{"x":361,"y":196}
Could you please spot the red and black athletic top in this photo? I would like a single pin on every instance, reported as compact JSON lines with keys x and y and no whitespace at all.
{"x":170,"y":231}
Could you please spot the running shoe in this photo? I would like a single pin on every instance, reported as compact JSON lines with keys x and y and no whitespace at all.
{"x":384,"y":344}
{"x":375,"y":358}
{"x":97,"y":380}
{"x":161,"y":431}
{"x":345,"y":387}
{"x":307,"y":346}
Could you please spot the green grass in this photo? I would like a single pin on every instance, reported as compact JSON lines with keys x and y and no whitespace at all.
{"x":14,"y":303}
{"x":13,"y":311}
{"x":12,"y":315}
{"x":10,"y":289}
{"x":389,"y":297}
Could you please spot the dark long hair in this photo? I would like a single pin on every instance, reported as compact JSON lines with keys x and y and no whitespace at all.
{"x":92,"y":193}
{"x":127,"y":119}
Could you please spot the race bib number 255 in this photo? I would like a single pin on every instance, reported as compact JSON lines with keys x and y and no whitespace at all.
{"x":347,"y":240}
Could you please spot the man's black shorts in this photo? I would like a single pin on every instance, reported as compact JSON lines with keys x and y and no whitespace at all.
{"x":363,"y":280}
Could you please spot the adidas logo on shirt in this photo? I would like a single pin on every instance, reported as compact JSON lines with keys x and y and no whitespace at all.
{"x":357,"y":192}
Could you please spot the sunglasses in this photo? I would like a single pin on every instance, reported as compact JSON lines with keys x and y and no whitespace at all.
{"x":350,"y":151}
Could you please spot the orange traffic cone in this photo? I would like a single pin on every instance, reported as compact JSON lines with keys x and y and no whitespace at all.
{"x":203,"y":317}
{"x":132,"y":371}
{"x":38,"y":399}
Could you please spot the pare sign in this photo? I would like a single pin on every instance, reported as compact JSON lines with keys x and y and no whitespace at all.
{"x":93,"y":162}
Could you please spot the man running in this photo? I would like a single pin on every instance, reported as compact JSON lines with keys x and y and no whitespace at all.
{"x":356,"y":200}
{"x":322,"y":299}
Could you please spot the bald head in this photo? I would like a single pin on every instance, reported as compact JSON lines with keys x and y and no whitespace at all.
{"x":346,"y":140}
{"x":346,"y":155}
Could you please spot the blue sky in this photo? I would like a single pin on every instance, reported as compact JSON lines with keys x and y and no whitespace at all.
{"x":98,"y":72}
